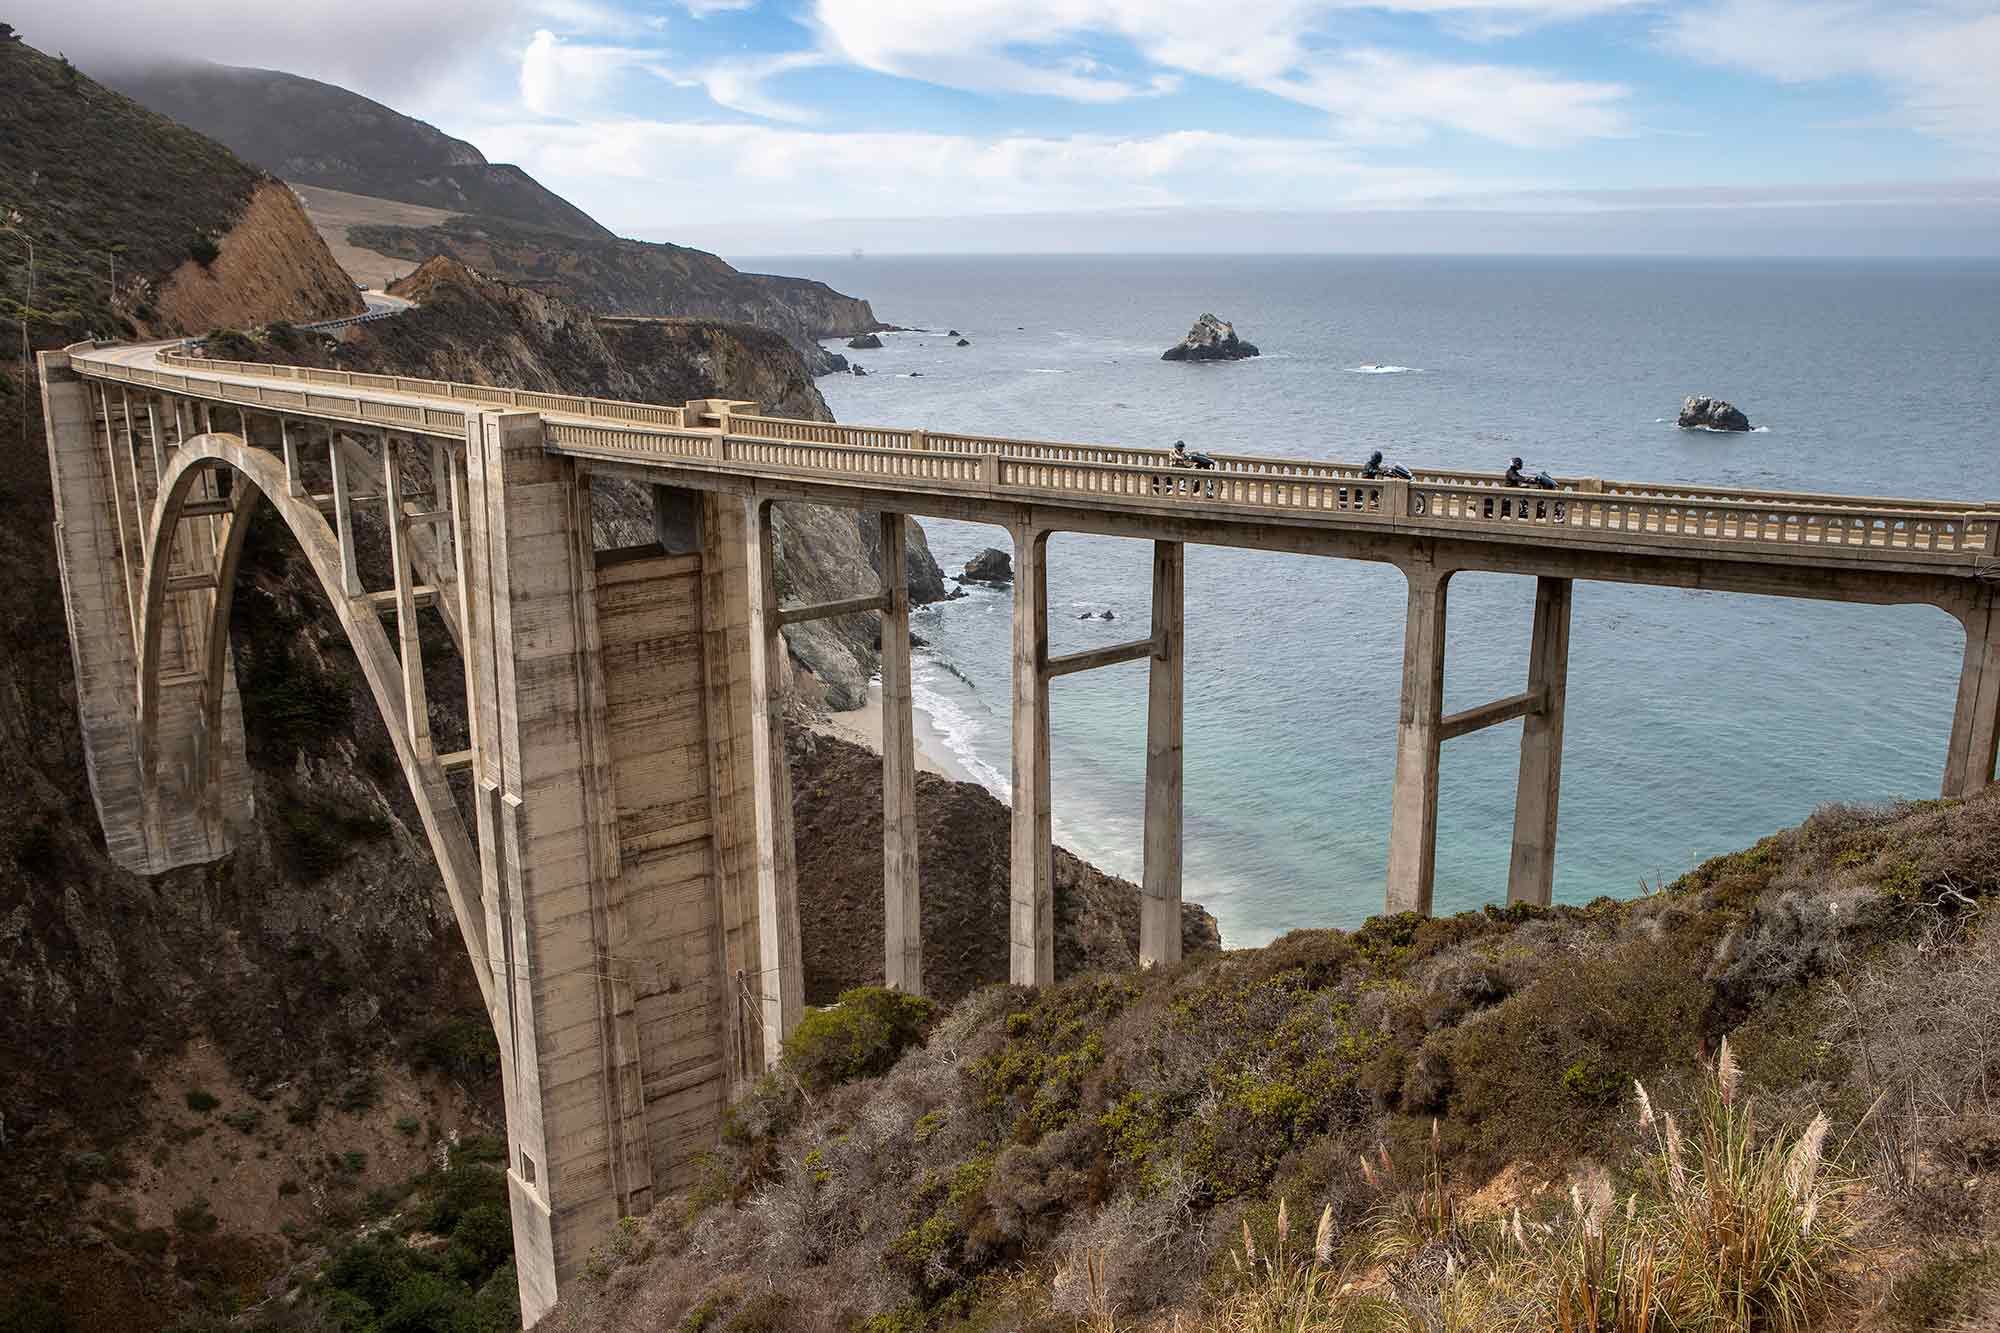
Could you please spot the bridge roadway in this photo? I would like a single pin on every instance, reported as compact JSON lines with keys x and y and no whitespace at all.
{"x":629,"y":900}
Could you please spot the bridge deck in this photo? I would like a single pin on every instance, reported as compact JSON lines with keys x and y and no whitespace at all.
{"x":946,"y":472}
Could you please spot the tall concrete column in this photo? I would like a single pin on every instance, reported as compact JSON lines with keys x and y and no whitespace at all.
{"x":902,"y":925}
{"x":1413,"y":807}
{"x":1975,"y":721}
{"x":1160,"y":891}
{"x":555,"y":932}
{"x":730,"y":718}
{"x":1031,"y":911}
{"x":781,"y":987}
{"x":1531,"y":871}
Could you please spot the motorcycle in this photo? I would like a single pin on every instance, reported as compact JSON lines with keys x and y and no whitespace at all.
{"x":1541,"y":481}
{"x":1198,"y":462}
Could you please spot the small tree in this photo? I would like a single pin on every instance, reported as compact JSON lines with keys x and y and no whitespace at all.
{"x":7,"y":34}
{"x":203,"y":250}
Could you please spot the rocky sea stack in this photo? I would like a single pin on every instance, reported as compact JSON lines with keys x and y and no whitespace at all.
{"x":991,"y":566}
{"x":1210,"y":339}
{"x":1700,"y":412}
{"x":866,"y":342}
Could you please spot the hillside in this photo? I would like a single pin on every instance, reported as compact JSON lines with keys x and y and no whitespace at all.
{"x":507,"y":225}
{"x":622,"y":277}
{"x":100,"y":183}
{"x":1765,"y":1097}
{"x":314,"y":133}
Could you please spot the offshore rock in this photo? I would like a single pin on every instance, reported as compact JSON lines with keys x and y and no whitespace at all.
{"x":991,"y":566}
{"x":1210,"y":339}
{"x":866,"y":342}
{"x":965,"y":342}
{"x":1700,"y":412}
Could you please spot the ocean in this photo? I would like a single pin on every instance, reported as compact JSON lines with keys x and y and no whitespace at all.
{"x":1697,"y":722}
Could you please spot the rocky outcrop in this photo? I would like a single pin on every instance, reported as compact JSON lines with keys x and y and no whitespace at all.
{"x":866,"y":342}
{"x":1700,"y":412}
{"x":1210,"y":339}
{"x":272,"y":265}
{"x":963,"y":858}
{"x":963,"y":342}
{"x":636,"y":278}
{"x":991,"y":566}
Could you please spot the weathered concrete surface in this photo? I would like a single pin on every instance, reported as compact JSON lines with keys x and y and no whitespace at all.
{"x":1531,"y":869}
{"x":102,"y":459}
{"x":1413,"y":803}
{"x":1032,"y":917}
{"x":1160,"y":889}
{"x":902,"y":908}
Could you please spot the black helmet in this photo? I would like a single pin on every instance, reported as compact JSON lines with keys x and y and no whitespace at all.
{"x":1180,"y":444}
{"x":1516,"y":462}
{"x":1375,"y":459}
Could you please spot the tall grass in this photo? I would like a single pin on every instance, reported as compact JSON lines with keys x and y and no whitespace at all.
{"x":1726,"y":1230}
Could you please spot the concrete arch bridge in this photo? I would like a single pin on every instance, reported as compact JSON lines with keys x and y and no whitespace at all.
{"x":616,"y":839}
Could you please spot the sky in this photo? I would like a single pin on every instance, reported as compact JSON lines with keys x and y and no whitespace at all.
{"x":825,"y":126}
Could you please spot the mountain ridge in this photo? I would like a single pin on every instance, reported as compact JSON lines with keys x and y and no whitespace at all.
{"x":315,"y":133}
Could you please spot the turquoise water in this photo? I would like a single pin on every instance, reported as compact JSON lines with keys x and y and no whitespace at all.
{"x":1697,"y":722}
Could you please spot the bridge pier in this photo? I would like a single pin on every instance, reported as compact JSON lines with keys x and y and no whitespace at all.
{"x":1413,"y":805}
{"x":1975,"y":721}
{"x":610,"y":782}
{"x":902,"y":902}
{"x":1531,"y":869}
{"x":1031,"y":928}
{"x":1160,"y":889}
{"x":781,"y":979}
{"x":1423,"y":727}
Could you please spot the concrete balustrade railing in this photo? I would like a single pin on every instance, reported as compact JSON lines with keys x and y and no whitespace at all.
{"x":1449,"y":501}
{"x":609,"y":409}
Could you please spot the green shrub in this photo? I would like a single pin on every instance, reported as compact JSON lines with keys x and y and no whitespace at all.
{"x":203,"y":250}
{"x":864,"y":1033}
{"x":195,"y":1219}
{"x":463,"y":1045}
{"x":244,"y":1120}
{"x":1941,"y":1289}
{"x":202,"y":1101}
{"x":408,"y":1125}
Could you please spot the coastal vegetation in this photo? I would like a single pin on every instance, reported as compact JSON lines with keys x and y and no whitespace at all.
{"x":1761,"y":1097}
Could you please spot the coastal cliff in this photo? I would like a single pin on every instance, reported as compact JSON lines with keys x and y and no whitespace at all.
{"x":622,"y":277}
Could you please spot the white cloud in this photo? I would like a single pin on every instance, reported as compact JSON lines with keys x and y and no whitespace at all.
{"x":701,"y":9}
{"x":1940,"y":61}
{"x":739,"y":84}
{"x":652,"y":178}
{"x":1288,"y":48}
{"x":559,"y":77}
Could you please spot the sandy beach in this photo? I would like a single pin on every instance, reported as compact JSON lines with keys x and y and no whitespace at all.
{"x":863,"y":726}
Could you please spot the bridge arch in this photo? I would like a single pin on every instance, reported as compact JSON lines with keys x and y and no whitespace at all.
{"x":259,"y":475}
